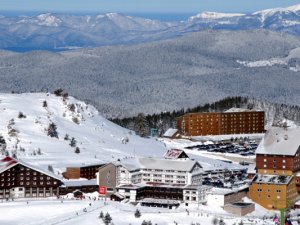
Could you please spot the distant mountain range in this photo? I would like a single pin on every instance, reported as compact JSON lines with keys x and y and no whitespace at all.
{"x":60,"y":31}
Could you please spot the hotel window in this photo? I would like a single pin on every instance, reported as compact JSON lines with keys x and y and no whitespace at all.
{"x":265,"y":160}
{"x":283,"y":161}
{"x":283,"y":167}
{"x":265,"y":166}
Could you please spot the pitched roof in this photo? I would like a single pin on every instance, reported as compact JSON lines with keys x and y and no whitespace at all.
{"x":158,"y":163}
{"x":9,"y":162}
{"x":175,"y":154}
{"x":280,"y":141}
{"x":170,"y":132}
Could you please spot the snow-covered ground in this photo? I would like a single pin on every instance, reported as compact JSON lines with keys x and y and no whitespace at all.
{"x":99,"y":140}
{"x":70,"y":212}
{"x":293,"y":54}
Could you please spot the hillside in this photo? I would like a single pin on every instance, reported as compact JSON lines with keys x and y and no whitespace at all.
{"x":198,"y":68}
{"x":25,"y":120}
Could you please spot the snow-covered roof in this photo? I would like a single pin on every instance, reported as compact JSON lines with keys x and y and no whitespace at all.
{"x":226,"y":191}
{"x":231,"y":110}
{"x":251,"y":168}
{"x":8,"y":162}
{"x":77,"y":183}
{"x":280,"y":141}
{"x":160,"y":201}
{"x":197,"y":187}
{"x":170,"y":132}
{"x":175,"y":154}
{"x":158,"y":163}
{"x":272,"y":179}
{"x":83,"y":165}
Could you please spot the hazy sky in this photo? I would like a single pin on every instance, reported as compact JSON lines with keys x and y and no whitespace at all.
{"x":143,"y":6}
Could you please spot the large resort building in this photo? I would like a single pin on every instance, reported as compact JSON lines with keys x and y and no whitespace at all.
{"x":233,"y":121}
{"x":277,"y":164}
{"x":175,"y":178}
{"x":162,"y":178}
{"x":19,"y":180}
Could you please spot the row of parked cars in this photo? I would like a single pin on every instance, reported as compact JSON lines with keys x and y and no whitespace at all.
{"x":241,"y":148}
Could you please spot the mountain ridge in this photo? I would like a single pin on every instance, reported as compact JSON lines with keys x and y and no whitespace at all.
{"x":54,"y":31}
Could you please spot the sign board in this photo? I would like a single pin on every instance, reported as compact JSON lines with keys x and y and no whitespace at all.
{"x":102,"y":190}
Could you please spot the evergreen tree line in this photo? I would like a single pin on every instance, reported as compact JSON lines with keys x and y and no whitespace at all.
{"x":274,"y":112}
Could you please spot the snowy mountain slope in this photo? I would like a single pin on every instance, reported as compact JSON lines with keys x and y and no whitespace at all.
{"x":63,"y":31}
{"x":195,"y":69}
{"x":98,"y":139}
{"x":292,"y":61}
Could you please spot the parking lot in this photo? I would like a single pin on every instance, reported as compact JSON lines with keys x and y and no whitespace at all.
{"x":240,"y":148}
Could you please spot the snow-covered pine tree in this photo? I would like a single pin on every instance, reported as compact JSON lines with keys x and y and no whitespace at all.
{"x":107,"y":219}
{"x":73,"y":142}
{"x":77,"y":150}
{"x":52,"y":130}
{"x":137,"y":213}
{"x":141,"y":126}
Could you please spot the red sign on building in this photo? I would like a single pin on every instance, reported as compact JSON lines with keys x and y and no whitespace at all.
{"x":102,"y":190}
